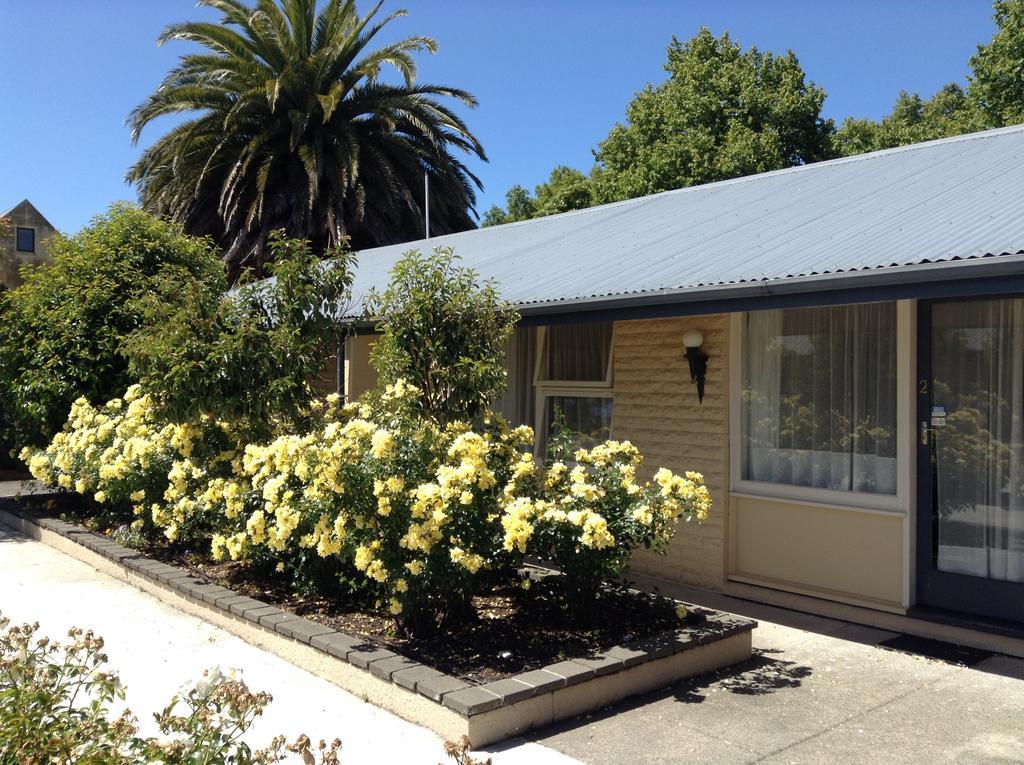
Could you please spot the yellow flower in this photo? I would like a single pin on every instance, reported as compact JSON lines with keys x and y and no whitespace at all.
{"x":363,"y":557}
{"x":395,"y":606}
{"x":382,"y":444}
{"x":218,"y":547}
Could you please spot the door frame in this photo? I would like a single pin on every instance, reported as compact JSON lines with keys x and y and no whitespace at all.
{"x":967,"y":595}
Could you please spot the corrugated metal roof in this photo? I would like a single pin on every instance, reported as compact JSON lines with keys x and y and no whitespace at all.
{"x":939,"y":202}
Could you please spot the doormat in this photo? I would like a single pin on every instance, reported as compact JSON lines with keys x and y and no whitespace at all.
{"x":936,"y":649}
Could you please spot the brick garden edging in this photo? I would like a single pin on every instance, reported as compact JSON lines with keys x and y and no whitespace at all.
{"x":446,"y":704}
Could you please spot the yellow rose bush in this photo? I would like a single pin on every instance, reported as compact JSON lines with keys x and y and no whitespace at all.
{"x":137,"y":468}
{"x":422,"y":514}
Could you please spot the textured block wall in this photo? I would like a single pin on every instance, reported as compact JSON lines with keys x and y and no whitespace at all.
{"x":656,"y":408}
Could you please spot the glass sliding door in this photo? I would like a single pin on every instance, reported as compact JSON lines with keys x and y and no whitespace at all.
{"x":972,"y":444}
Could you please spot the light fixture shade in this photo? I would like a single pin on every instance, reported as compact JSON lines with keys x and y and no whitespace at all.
{"x":693,"y":339}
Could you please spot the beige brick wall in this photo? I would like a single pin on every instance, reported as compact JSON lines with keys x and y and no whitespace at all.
{"x":656,"y":408}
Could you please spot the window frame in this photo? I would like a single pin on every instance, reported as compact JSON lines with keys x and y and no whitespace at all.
{"x":568,"y":388}
{"x":897,"y":503}
{"x":17,"y":238}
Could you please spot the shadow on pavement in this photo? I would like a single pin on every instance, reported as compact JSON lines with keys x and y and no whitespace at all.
{"x":9,"y":535}
{"x":760,"y":675}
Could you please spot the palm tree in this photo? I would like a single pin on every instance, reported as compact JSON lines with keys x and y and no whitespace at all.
{"x":296,"y":129}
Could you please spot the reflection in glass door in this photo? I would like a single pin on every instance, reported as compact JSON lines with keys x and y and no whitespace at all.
{"x":973,"y":434}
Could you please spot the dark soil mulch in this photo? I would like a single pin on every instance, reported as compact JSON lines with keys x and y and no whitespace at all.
{"x":509,"y":631}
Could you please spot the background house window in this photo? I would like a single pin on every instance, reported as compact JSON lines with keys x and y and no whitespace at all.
{"x":26,"y":239}
{"x":818,"y":399}
{"x":573,"y":376}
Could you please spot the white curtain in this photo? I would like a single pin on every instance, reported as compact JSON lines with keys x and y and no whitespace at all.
{"x":978,"y":380}
{"x":819,"y":397}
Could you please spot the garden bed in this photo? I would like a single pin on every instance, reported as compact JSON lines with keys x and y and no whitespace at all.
{"x":505,"y":698}
{"x":507,"y":633}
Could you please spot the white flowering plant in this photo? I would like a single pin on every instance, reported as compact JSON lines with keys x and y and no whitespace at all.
{"x":421,"y":513}
{"x":55,"y":700}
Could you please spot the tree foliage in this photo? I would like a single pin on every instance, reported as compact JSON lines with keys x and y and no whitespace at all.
{"x":723,"y":112}
{"x":443,"y":331}
{"x":63,"y":330}
{"x":726,"y":112}
{"x":245,"y":356}
{"x":566,"y":189}
{"x":997,"y":69}
{"x":295,"y":128}
{"x":912,"y":120}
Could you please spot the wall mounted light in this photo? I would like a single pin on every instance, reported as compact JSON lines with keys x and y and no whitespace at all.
{"x":693,"y":340}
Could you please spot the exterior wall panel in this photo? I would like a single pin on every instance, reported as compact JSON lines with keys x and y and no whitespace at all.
{"x":360,"y":376}
{"x":835,"y":553}
{"x":656,"y":408}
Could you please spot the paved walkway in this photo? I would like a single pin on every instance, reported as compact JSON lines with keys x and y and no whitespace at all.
{"x":156,"y":649}
{"x":817,"y":690}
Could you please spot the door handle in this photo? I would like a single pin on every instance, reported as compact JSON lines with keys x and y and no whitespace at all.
{"x":925,"y":431}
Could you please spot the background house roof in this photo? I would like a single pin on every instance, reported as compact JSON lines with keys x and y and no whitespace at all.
{"x":24,"y":205}
{"x":944,"y":209}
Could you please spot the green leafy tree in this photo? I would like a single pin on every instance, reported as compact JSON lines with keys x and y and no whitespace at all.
{"x":245,"y":356}
{"x":994,"y":96}
{"x":566,"y":189}
{"x":997,"y":69}
{"x":519,"y":205}
{"x":444,"y":331}
{"x":912,"y":120}
{"x":294,"y":128}
{"x":724,"y":112}
{"x":63,"y":330}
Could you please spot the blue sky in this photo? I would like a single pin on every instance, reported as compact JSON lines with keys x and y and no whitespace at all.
{"x":551,"y":77}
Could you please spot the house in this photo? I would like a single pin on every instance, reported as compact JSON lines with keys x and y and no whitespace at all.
{"x":26,"y":243}
{"x":857,"y":326}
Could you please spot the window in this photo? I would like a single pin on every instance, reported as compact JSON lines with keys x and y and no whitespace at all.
{"x":818,"y":398}
{"x":26,"y":239}
{"x":573,"y":376}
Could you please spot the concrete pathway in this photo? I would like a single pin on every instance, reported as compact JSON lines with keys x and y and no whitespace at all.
{"x":817,"y":691}
{"x":157,"y":649}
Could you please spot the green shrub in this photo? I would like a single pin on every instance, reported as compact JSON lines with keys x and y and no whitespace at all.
{"x":62,"y":331}
{"x":54,"y":710}
{"x":444,"y":332}
{"x":246,"y":356}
